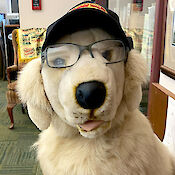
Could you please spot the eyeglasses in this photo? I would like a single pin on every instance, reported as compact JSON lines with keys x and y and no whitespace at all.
{"x":64,"y":55}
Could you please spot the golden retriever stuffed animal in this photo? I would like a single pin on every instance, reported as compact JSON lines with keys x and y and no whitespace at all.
{"x":85,"y":95}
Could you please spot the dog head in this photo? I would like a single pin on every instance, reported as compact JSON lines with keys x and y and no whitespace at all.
{"x":84,"y":93}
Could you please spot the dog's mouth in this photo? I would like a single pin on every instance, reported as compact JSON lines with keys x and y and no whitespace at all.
{"x":92,"y":125}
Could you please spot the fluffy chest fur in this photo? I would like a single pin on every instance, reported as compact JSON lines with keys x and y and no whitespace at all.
{"x":123,"y":151}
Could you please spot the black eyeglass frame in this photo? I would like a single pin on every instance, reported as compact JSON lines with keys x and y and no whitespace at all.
{"x":81,"y":49}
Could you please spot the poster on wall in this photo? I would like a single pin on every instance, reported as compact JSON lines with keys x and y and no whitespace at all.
{"x":36,"y":4}
{"x":137,"y":5}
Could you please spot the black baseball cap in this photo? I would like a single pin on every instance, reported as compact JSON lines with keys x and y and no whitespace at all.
{"x":83,"y":16}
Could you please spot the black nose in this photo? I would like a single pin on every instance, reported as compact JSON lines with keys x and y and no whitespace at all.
{"x":90,"y":95}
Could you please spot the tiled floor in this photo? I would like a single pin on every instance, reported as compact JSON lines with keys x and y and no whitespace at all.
{"x":16,"y":157}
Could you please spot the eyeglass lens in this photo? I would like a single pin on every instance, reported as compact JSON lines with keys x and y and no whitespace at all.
{"x":64,"y":55}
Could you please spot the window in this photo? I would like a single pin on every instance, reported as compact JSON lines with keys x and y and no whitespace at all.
{"x":137,"y":18}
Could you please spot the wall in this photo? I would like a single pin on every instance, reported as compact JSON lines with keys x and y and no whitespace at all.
{"x":167,"y":82}
{"x":4,"y":6}
{"x":51,"y":11}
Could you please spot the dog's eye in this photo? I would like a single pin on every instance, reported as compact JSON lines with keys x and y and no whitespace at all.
{"x":107,"y":55}
{"x":59,"y":62}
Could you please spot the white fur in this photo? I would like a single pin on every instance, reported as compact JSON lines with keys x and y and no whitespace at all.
{"x":31,"y":91}
{"x":126,"y":145}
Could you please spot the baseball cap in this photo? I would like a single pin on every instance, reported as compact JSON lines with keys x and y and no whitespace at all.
{"x":83,"y":16}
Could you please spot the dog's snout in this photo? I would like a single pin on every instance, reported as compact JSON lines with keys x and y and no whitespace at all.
{"x":91,"y":95}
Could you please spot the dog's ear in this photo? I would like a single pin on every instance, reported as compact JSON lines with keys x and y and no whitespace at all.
{"x":31,"y":92}
{"x":135,"y":76}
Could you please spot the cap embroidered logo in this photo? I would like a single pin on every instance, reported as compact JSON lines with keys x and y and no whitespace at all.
{"x":89,"y":5}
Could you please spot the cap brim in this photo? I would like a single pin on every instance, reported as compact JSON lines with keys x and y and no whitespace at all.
{"x":82,"y":19}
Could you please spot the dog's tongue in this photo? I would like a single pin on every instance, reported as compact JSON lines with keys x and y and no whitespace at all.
{"x":91,"y":124}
